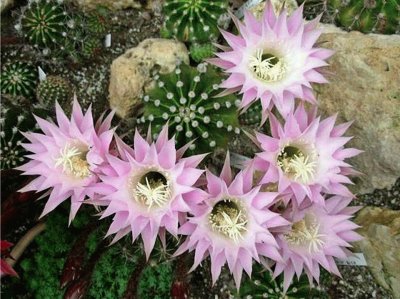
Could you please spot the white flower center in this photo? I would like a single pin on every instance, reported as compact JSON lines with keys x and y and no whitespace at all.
{"x":227,"y":217}
{"x":306,"y":233}
{"x":73,"y":161}
{"x":267,"y":67}
{"x":300,"y":165}
{"x":153,"y":189}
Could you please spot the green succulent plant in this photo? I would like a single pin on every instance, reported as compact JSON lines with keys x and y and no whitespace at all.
{"x":14,"y":119}
{"x":43,"y":23}
{"x":262,"y":285}
{"x":18,"y":78}
{"x":193,"y":20}
{"x":52,"y":89}
{"x":186,"y":99}
{"x":252,"y":116}
{"x":381,"y":16}
{"x":199,"y":52}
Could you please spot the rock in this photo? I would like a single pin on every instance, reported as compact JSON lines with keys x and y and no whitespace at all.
{"x":289,"y":5}
{"x":131,"y":72}
{"x":365,"y":87}
{"x":381,"y":245}
{"x":5,"y":4}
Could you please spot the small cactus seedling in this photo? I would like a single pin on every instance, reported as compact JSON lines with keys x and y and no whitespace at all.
{"x":53,"y":89}
{"x":381,"y":16}
{"x":43,"y":23}
{"x":18,"y":79}
{"x":193,"y":20}
{"x":199,"y":52}
{"x":187,"y":99}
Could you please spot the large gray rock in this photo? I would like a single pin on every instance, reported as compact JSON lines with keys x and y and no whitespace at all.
{"x":381,"y":245}
{"x":131,"y":72}
{"x":364,"y":86}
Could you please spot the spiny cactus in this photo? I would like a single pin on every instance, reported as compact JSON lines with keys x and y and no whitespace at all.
{"x":193,"y":20}
{"x":187,"y":99}
{"x":199,"y":52}
{"x":262,"y":285}
{"x":90,"y":47}
{"x":43,"y":23}
{"x":18,"y":78}
{"x":13,"y":119}
{"x":381,"y":16}
{"x":53,"y":89}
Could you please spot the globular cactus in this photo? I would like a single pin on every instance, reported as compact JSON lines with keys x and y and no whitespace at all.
{"x":91,"y":46}
{"x":262,"y":285}
{"x":13,"y":120}
{"x":52,"y":89}
{"x":381,"y":16}
{"x":199,"y":52}
{"x":186,"y":99}
{"x":18,"y":79}
{"x":193,"y":20}
{"x":44,"y":23}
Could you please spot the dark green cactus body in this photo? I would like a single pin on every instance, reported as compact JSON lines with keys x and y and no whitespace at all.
{"x":18,"y":78}
{"x":252,"y":116}
{"x":262,"y":285}
{"x":199,"y":52}
{"x":53,"y":89}
{"x":13,"y":120}
{"x":382,"y":16}
{"x":43,"y":23}
{"x":186,"y":99}
{"x":193,"y":20}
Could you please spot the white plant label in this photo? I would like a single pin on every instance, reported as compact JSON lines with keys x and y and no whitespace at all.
{"x":107,"y":41}
{"x":357,"y":259}
{"x":42,"y":74}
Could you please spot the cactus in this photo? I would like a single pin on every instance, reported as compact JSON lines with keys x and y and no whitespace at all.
{"x":199,"y":52}
{"x":252,"y":116}
{"x":186,"y":99}
{"x":53,"y":89}
{"x":381,"y":16}
{"x":13,"y":120}
{"x":262,"y":285}
{"x":43,"y":23}
{"x":193,"y":20}
{"x":91,"y":46}
{"x":18,"y":78}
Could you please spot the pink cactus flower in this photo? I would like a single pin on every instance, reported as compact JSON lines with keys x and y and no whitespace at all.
{"x":273,"y":59}
{"x":66,"y":156}
{"x":306,"y":156}
{"x":231,"y":224}
{"x":148,"y":188}
{"x":316,"y":236}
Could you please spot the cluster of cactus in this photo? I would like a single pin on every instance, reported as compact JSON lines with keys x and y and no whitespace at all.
{"x":263,"y":285}
{"x":18,"y":79}
{"x":52,"y":89}
{"x":199,"y":52}
{"x":13,"y":120}
{"x":193,"y":20}
{"x":186,"y":99}
{"x":381,"y":16}
{"x":52,"y":27}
